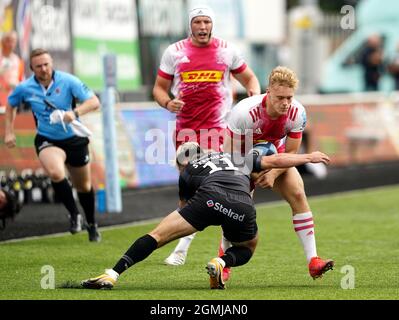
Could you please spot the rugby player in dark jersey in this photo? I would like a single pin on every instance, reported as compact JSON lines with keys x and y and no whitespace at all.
{"x":214,"y":190}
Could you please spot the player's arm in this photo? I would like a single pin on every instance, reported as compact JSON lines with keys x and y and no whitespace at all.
{"x":89,"y":105}
{"x":161,"y":95}
{"x":291,"y":146}
{"x":287,"y":160}
{"x":9,"y":137}
{"x":88,"y":101}
{"x":249,"y":81}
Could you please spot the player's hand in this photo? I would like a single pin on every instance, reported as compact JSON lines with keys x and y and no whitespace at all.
{"x":10,"y":140}
{"x":266,"y":179}
{"x":175,"y":105}
{"x":69,"y":116}
{"x":318,"y":156}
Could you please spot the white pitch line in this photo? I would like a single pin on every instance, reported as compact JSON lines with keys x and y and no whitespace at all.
{"x":270,"y":204}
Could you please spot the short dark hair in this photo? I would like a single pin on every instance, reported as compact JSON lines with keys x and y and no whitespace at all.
{"x":37,"y":52}
{"x":188,"y":151}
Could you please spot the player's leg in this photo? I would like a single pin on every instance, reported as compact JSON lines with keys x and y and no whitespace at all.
{"x":179,"y":253}
{"x":52,"y":159}
{"x":237,"y":255}
{"x":78,"y":163}
{"x":290,"y":185}
{"x":225,"y":244}
{"x":81,"y":180}
{"x":170,"y":228}
{"x":242,"y":233}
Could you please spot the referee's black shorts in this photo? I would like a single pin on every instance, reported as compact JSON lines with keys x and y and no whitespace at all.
{"x":233,"y":210}
{"x":75,"y":148}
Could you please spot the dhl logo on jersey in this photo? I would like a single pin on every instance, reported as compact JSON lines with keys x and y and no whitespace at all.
{"x":202,"y":76}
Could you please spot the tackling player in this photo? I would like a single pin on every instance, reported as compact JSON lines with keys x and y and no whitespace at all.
{"x":213,"y":190}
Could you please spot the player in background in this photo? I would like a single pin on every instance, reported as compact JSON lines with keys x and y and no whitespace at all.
{"x":278,"y":118}
{"x":209,"y":184}
{"x":11,"y":66}
{"x":58,"y":144}
{"x":197,"y":71}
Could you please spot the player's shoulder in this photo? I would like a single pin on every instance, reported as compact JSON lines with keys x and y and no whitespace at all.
{"x":249,"y":103}
{"x":31,"y":81}
{"x":297,"y":115}
{"x":178,"y":45}
{"x":297,"y":104}
{"x":64,"y":76}
{"x":223,"y":44}
{"x":297,"y":109}
{"x":243,"y":113}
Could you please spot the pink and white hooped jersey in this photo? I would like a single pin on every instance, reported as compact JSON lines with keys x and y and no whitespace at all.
{"x":201,"y":78}
{"x":250,"y":114}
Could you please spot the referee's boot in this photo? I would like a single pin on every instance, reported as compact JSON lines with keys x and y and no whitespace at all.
{"x":215,"y":271}
{"x":176,"y":258}
{"x":94,"y":234}
{"x":75,"y":225}
{"x":318,"y":266}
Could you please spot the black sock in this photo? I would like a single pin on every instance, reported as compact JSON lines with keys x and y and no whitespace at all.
{"x":139,"y":250}
{"x":63,"y":191}
{"x":87,"y":202}
{"x":236,"y":256}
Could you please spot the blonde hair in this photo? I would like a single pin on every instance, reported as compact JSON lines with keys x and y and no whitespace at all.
{"x":283,"y":76}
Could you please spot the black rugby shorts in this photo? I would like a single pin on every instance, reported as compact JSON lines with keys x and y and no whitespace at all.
{"x":233,"y":210}
{"x":75,"y":148}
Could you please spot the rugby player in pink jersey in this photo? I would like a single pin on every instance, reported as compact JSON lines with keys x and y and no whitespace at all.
{"x":197,"y":72}
{"x":278,"y":118}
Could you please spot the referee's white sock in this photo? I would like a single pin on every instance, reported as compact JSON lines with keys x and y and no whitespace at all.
{"x":184,"y":243}
{"x":304,"y":228}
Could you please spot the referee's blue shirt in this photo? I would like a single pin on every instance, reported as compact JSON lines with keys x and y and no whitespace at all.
{"x":63,"y":90}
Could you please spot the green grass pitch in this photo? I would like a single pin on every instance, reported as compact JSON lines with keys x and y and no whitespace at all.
{"x":359,"y":230}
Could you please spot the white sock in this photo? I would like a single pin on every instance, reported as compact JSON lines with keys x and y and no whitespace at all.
{"x":112,"y":273}
{"x":225,"y":244}
{"x":184,"y":243}
{"x":304,"y":228}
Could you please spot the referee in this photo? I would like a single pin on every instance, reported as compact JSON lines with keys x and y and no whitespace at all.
{"x":57,"y":145}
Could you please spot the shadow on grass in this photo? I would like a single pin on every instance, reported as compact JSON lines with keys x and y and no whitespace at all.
{"x":70,"y":284}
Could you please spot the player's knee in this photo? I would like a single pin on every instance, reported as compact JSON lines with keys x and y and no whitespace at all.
{"x":299,"y":195}
{"x":160,"y":237}
{"x":56,"y":175}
